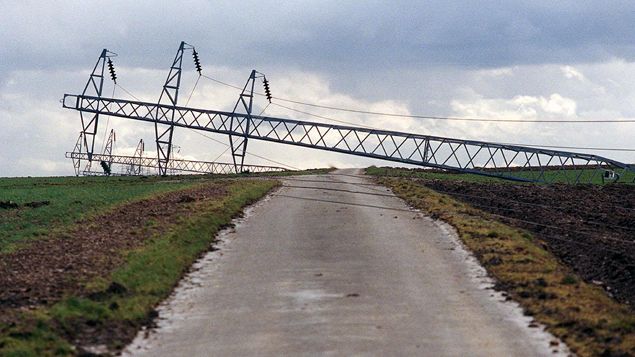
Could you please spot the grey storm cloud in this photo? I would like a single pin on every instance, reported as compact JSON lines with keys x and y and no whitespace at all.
{"x":319,"y":35}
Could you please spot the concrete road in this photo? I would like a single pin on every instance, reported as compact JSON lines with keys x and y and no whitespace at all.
{"x":334,"y":265}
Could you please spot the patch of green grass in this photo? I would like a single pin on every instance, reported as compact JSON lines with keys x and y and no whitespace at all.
{"x":32,"y":337}
{"x":583,"y":315}
{"x":426,"y":174}
{"x":553,"y":176}
{"x":584,"y":176}
{"x":126,"y":299}
{"x":70,"y":199}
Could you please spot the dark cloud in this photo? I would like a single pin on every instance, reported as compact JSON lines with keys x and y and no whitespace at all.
{"x":318,"y":35}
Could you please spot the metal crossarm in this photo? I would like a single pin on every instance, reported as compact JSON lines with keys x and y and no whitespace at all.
{"x":201,"y":167}
{"x":513,"y":162}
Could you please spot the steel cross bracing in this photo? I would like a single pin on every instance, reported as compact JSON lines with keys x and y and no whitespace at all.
{"x":202,"y":167}
{"x":512,"y":162}
{"x":164,"y":130}
{"x":106,"y":164}
{"x":134,"y":168}
{"x":238,"y":143}
{"x":94,"y":85}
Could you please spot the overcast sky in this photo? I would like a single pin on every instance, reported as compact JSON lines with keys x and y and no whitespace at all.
{"x":490,"y":59}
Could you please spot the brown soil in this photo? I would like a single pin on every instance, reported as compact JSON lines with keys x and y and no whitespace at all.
{"x":590,"y":228}
{"x":44,"y":270}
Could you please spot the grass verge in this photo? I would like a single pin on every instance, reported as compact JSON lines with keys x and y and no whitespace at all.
{"x":581,"y":314}
{"x":110,"y":311}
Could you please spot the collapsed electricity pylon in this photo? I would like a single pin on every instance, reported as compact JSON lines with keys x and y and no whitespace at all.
{"x":135,"y":167}
{"x":94,"y":85}
{"x":175,"y":165}
{"x":164,"y":163}
{"x":512,"y":162}
{"x":132,"y":165}
{"x":169,"y":94}
{"x":106,"y":165}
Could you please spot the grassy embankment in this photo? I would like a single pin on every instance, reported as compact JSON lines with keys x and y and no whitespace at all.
{"x":581,"y":314}
{"x":125,"y":298}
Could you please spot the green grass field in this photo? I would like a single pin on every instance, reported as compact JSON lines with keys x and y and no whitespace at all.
{"x":69,"y":200}
{"x":146,"y":276}
{"x":586,"y":176}
{"x":73,"y":198}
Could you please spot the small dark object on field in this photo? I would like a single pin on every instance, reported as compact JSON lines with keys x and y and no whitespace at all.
{"x":116,"y":289}
{"x":494,"y":261}
{"x":36,"y":204}
{"x":8,"y":205}
{"x":568,"y":280}
{"x":186,"y":198}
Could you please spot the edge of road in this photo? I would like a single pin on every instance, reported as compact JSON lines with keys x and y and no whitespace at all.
{"x":581,"y":314}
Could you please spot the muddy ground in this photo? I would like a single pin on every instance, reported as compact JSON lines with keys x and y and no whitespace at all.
{"x":47,"y":269}
{"x":60,"y":264}
{"x":590,"y":228}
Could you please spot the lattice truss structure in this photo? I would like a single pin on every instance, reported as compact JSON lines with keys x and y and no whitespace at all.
{"x":134,"y":165}
{"x":164,"y":163}
{"x":175,"y":165}
{"x":511,"y":162}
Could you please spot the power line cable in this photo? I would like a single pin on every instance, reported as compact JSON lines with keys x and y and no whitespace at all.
{"x":323,"y":117}
{"x":556,"y":227}
{"x":218,"y":141}
{"x":415,"y":116}
{"x":103,"y":143}
{"x":532,"y":145}
{"x":594,"y":246}
{"x":426,"y":117}
{"x":573,"y":147}
{"x":193,"y":89}
{"x":128,"y":92}
{"x":370,"y":127}
{"x":431,"y":117}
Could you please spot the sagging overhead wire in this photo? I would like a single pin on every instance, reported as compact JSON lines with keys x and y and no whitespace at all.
{"x":218,"y":141}
{"x":532,"y":145}
{"x":434,"y":117}
{"x":416,"y":116}
{"x":323,"y":117}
